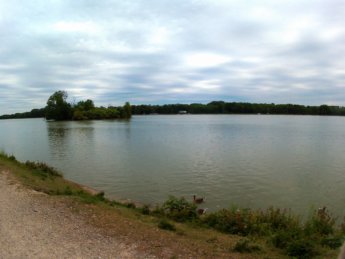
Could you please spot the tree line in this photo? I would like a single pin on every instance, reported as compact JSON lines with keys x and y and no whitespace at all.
{"x":59,"y":109}
{"x":220,"y":107}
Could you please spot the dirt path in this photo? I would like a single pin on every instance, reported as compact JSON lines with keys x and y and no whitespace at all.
{"x":34,"y":225}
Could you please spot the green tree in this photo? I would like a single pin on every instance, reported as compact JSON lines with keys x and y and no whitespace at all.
{"x":324,"y":110}
{"x":127,"y":111}
{"x":85,"y":105}
{"x":57,"y":107}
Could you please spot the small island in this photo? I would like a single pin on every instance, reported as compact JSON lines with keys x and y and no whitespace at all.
{"x":59,"y":109}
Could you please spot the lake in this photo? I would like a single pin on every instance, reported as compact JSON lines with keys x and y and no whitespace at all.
{"x":255,"y":161}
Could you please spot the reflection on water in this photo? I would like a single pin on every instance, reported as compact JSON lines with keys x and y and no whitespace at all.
{"x":256,"y":161}
{"x":65,"y":138}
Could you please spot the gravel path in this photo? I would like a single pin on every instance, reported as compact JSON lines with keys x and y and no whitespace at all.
{"x":35,"y":225}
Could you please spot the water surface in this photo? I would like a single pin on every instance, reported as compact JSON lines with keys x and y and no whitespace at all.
{"x":251,"y":160}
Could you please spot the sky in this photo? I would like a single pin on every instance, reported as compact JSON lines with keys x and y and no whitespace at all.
{"x":171,"y":51}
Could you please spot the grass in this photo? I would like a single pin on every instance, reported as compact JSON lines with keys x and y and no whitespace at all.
{"x":271,"y":233}
{"x":164,"y":224}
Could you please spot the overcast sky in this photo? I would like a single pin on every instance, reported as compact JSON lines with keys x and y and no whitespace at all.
{"x":171,"y":51}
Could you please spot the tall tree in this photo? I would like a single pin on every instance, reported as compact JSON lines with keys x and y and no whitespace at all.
{"x":57,"y":107}
{"x":127,"y":110}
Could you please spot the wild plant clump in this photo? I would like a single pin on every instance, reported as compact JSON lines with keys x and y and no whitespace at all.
{"x":166,"y":225}
{"x":6,"y":156}
{"x":179,"y":209}
{"x":245,"y":245}
{"x":284,"y":230}
{"x":42,"y":167}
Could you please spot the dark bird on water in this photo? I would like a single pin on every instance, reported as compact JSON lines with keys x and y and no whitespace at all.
{"x":197,"y":200}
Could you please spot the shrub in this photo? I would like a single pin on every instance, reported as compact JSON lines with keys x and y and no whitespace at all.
{"x":145,"y":210}
{"x":130,"y":205}
{"x":12,"y":157}
{"x":332,"y":242}
{"x":233,"y":221}
{"x":244,"y":245}
{"x":42,"y":167}
{"x":320,"y":223}
{"x":278,"y":219}
{"x":164,"y":224}
{"x":68,"y":191}
{"x":100,"y":196}
{"x":179,"y":209}
{"x":301,"y":249}
{"x":282,"y":239}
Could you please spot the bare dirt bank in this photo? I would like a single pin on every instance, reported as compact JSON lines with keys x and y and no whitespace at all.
{"x":35,"y":225}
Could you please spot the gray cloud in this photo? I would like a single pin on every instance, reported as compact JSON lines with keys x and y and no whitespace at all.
{"x":171,"y":51}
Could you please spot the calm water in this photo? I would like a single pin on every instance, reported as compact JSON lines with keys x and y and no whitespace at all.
{"x":255,"y":161}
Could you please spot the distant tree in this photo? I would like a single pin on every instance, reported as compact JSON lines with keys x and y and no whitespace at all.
{"x":57,"y":107}
{"x":85,"y":105}
{"x":324,"y":110}
{"x":127,"y":111}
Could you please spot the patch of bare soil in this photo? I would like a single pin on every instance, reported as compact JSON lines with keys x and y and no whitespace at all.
{"x":35,"y":225}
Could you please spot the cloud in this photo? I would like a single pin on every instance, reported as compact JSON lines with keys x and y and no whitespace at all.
{"x":171,"y":51}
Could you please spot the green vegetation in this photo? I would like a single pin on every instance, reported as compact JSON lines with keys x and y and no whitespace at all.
{"x":244,"y":245}
{"x":179,"y":209}
{"x":256,"y":230}
{"x":34,"y":113}
{"x":220,"y":107}
{"x":164,"y":224}
{"x":59,"y":109}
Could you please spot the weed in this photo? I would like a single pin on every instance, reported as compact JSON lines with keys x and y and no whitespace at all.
{"x":68,"y":191}
{"x":179,"y":209}
{"x":332,"y":242}
{"x":233,"y":221}
{"x":100,"y":196}
{"x":321,"y":222}
{"x":166,"y":225}
{"x":130,"y":205}
{"x":301,"y":248}
{"x":145,"y":209}
{"x":43,"y":168}
{"x":244,"y":245}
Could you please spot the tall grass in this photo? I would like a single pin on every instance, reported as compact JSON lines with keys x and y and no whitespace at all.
{"x":279,"y":227}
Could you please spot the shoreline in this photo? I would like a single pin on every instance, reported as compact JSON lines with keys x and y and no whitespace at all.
{"x":255,"y":230}
{"x":45,"y":225}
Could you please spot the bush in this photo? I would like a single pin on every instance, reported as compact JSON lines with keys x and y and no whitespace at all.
{"x":244,"y":245}
{"x":301,"y":249}
{"x":164,"y":224}
{"x":10,"y":157}
{"x":42,"y":167}
{"x":283,"y":238}
{"x":68,"y":191}
{"x":233,"y":221}
{"x":332,"y":242}
{"x":130,"y":205}
{"x":179,"y":209}
{"x":100,"y":196}
{"x":145,"y":210}
{"x":320,"y":223}
{"x":278,"y":219}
